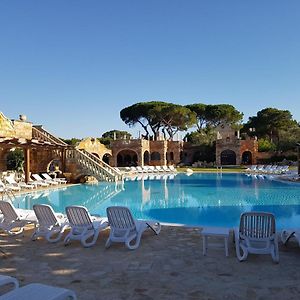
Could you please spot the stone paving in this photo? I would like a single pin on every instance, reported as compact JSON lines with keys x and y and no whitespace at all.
{"x":168,"y":266}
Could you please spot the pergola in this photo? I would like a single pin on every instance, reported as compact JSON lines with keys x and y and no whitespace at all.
{"x":29,"y":144}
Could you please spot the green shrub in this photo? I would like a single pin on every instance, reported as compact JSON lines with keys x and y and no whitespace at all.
{"x":265,"y":145}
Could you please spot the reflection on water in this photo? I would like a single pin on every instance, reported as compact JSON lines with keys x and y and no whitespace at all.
{"x":200,"y":199}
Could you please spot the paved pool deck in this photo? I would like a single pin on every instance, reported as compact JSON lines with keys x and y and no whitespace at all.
{"x":167,"y":266}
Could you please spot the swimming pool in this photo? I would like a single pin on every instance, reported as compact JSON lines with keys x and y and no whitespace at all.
{"x":207,"y":199}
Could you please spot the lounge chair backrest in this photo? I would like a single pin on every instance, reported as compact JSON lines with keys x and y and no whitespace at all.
{"x":120,"y":217}
{"x":79,"y":216}
{"x":46,"y":176}
{"x":8,"y":211}
{"x":10,"y":180}
{"x":45,"y":214}
{"x":257,"y":225}
{"x":37,"y":177}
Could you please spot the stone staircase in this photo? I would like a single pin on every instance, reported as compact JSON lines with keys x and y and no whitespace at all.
{"x":87,"y":162}
{"x":93,"y":166}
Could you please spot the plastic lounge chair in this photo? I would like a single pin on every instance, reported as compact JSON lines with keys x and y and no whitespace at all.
{"x":256,"y":234}
{"x":159,"y":169}
{"x":20,"y":185}
{"x":166,"y":169}
{"x":124,"y":229}
{"x":4,"y":280}
{"x":38,"y":183}
{"x":50,"y":225}
{"x":286,"y":235}
{"x":251,"y":168}
{"x":153,"y":169}
{"x":13,"y":218}
{"x":37,"y":177}
{"x":37,"y":291}
{"x":139,"y":169}
{"x":59,"y":180}
{"x":83,"y":226}
{"x":172,"y":169}
{"x":9,"y":187}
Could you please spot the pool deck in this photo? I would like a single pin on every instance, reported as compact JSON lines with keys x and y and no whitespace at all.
{"x":167,"y":266}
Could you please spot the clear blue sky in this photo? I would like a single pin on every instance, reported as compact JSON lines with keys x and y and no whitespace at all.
{"x":73,"y":65}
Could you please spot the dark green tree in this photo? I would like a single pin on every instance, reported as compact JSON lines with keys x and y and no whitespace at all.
{"x":269,"y":122}
{"x":72,"y":141}
{"x":15,"y":160}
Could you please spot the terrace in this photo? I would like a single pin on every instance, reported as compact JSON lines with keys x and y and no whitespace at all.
{"x":168,"y":266}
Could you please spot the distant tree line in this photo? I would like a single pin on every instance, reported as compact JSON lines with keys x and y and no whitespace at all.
{"x":276,"y":129}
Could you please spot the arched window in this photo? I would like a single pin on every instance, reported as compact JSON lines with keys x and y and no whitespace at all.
{"x":228,"y":157}
{"x":155,"y":156}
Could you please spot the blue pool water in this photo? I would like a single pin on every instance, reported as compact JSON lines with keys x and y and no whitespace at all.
{"x":200,"y":199}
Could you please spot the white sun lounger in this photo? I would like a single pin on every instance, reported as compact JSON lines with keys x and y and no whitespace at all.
{"x":256,"y":234}
{"x":59,"y":180}
{"x":13,"y":218}
{"x":124,"y":229}
{"x":172,"y":169}
{"x":5,"y":280}
{"x":50,"y":225}
{"x":37,"y":177}
{"x":9,"y":187}
{"x":38,"y":291}
{"x":287,"y":234}
{"x":20,"y":185}
{"x":83,"y":226}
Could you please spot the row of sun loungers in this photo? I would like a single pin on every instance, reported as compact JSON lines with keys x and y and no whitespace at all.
{"x":149,"y":169}
{"x":82,"y":226}
{"x":12,"y":185}
{"x":138,"y":177}
{"x":268,"y":169}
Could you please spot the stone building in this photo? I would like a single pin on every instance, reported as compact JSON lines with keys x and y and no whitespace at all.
{"x":140,"y":152}
{"x":93,"y":146}
{"x":232,"y":150}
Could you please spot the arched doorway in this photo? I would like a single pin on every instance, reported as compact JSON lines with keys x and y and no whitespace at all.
{"x":228,"y":157}
{"x":155,"y":156}
{"x":106,"y":158}
{"x":247,"y":158}
{"x":127,"y":158}
{"x":146,"y":157}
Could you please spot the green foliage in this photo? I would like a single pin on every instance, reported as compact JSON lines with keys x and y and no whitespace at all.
{"x":105,"y":141}
{"x":15,"y":160}
{"x":213,"y":115}
{"x":118,"y":133}
{"x":206,"y":137}
{"x":158,"y":117}
{"x":265,"y":145}
{"x":270,"y":121}
{"x":72,"y":141}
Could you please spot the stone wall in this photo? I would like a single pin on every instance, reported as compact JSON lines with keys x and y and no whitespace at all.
{"x":94,"y":146}
{"x":15,"y":128}
{"x":159,"y":152}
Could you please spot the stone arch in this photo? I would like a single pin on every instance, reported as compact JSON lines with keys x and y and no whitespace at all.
{"x":127,"y":158}
{"x":54,"y":165}
{"x":146,"y":157}
{"x":96,"y":154}
{"x":155,"y":156}
{"x":107,"y":158}
{"x":247,"y":158}
{"x":228,"y":157}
